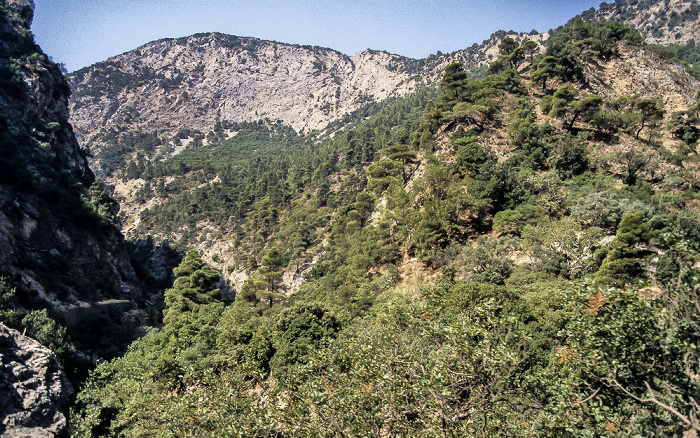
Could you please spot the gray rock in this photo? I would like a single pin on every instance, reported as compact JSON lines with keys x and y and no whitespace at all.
{"x":34,"y":391}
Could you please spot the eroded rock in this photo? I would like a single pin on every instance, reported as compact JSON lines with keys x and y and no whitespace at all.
{"x":34,"y":391}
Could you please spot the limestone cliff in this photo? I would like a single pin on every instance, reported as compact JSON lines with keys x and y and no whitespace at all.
{"x":191,"y":82}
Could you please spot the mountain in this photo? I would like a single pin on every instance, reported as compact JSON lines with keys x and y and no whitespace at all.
{"x":661,"y":22}
{"x":514,"y":255}
{"x":196,"y":82}
{"x":191,"y":83}
{"x":242,"y":84}
{"x":231,"y":83}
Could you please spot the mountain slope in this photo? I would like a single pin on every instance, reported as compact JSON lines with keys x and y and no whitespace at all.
{"x":194,"y":81}
{"x":518,"y":260}
{"x":661,"y":22}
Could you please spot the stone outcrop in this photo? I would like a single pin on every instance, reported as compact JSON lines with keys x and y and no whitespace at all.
{"x":642,"y":72}
{"x":34,"y":392}
{"x":56,"y":249}
{"x":661,"y":22}
{"x":53,"y":246}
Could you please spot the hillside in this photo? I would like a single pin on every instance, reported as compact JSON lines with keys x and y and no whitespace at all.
{"x":662,"y":22}
{"x":516,"y":256}
{"x":501,"y":241}
{"x":208,"y":197}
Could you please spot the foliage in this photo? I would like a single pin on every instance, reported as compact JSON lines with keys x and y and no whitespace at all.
{"x":641,"y":381}
{"x":489,"y":260}
{"x":471,"y":267}
{"x":38,"y":325}
{"x":622,"y":264}
{"x":195,"y":285}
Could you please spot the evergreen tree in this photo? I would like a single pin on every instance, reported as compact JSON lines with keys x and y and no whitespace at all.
{"x":270,"y":273}
{"x":195,"y":284}
{"x":623,"y":263}
{"x":405,"y":156}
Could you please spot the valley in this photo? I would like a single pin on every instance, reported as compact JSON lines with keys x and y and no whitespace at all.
{"x":285,"y":240}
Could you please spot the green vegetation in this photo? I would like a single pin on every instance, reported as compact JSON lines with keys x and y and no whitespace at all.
{"x":545,"y":288}
{"x":36,"y":324}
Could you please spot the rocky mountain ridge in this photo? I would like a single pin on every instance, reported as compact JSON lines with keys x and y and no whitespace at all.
{"x":661,"y":22}
{"x":191,"y":82}
{"x":194,"y":82}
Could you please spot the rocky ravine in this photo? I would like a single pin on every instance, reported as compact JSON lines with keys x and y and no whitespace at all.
{"x":34,"y":391}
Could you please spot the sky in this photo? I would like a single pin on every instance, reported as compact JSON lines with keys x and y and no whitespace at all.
{"x":79,"y":33}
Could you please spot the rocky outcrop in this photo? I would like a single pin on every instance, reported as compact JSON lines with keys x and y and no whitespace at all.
{"x":34,"y":392}
{"x":661,"y":22}
{"x":639,"y":71}
{"x":54,"y":244}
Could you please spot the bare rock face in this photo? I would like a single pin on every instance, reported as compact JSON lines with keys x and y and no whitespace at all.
{"x":53,"y":245}
{"x":191,"y":82}
{"x":661,"y":22}
{"x":34,"y":392}
{"x":640,"y":71}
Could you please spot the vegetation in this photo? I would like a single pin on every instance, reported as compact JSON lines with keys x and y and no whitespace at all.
{"x":516,"y":256}
{"x":559,"y":289}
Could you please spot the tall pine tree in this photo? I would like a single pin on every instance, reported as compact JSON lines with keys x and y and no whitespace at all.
{"x":195,"y":284}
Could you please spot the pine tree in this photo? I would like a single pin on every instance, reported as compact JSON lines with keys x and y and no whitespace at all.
{"x":195,"y":284}
{"x":270,"y":273}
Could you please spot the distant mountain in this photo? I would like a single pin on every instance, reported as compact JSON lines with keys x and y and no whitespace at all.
{"x":194,"y":82}
{"x":661,"y":22}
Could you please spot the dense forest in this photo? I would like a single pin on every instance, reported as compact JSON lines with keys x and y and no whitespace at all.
{"x":512,"y":255}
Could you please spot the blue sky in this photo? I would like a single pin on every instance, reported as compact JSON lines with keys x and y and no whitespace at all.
{"x":82,"y":32}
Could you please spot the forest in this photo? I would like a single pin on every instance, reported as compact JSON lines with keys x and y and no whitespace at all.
{"x":511,"y":255}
